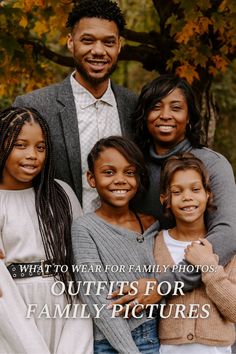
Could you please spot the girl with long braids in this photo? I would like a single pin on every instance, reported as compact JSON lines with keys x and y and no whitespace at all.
{"x":36,"y":213}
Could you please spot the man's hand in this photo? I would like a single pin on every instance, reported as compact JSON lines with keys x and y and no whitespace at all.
{"x":200,"y":253}
{"x":133,"y":299}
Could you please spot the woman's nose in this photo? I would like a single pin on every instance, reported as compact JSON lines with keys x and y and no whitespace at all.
{"x":165,"y":112}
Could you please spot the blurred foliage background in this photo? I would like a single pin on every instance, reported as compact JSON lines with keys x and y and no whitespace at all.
{"x":195,"y":40}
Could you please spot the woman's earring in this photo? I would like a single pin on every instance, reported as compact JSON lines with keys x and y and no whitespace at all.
{"x":188,"y":127}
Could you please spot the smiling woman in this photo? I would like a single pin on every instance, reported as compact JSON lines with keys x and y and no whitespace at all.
{"x":167,"y":122}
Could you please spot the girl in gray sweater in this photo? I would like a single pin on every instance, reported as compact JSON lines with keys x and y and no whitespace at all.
{"x":114,"y":245}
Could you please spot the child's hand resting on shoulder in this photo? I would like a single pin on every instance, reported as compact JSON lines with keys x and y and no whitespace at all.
{"x":201,"y":253}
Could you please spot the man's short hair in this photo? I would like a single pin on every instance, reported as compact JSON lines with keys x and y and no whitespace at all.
{"x":103,"y":9}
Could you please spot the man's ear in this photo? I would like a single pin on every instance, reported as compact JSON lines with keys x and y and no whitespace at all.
{"x":70,"y":43}
{"x":162,"y":198}
{"x":91,"y":179}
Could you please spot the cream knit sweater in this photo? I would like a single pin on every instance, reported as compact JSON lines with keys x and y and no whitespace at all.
{"x":218,"y":290}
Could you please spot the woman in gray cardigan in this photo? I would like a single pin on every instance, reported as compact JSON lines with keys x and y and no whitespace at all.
{"x":166,"y":122}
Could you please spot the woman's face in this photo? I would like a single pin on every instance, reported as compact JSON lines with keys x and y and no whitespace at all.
{"x":167,"y":121}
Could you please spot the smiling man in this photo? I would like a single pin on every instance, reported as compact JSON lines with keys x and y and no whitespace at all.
{"x":87,"y":105}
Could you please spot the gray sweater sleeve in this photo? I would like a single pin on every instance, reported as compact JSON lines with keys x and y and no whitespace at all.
{"x":116,"y":330}
{"x":221,"y":223}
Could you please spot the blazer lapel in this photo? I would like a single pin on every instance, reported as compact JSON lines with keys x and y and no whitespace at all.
{"x":69,"y":124}
{"x":124,"y":107}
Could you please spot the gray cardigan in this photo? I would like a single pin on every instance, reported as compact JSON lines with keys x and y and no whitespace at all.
{"x":96,"y":242}
{"x":57,"y":106}
{"x":221,"y":224}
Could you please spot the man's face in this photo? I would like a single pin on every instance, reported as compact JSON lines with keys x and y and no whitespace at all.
{"x":95,"y":45}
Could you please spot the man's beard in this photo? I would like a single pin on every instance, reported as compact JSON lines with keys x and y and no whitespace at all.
{"x":94,"y":80}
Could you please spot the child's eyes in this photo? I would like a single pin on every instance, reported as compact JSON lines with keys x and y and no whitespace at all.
{"x":196,"y":189}
{"x":108,"y":172}
{"x":175,"y":192}
{"x":20,"y":145}
{"x":41,"y":148}
{"x":130,"y":173}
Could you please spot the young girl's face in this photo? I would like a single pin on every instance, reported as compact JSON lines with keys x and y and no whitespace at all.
{"x":114,"y":178}
{"x":26,"y":159}
{"x":188,"y":196}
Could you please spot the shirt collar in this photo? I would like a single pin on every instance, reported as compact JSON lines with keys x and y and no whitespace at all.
{"x":86,"y":99}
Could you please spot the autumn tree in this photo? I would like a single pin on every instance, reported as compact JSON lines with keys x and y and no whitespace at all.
{"x":194,"y":39}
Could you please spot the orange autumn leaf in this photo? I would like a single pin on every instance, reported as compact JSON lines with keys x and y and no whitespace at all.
{"x":220,"y":62}
{"x":191,"y":28}
{"x":29,"y":4}
{"x":187,"y":72}
{"x":187,"y":32}
{"x":40,"y":28}
{"x":23,"y":22}
{"x":203,"y":23}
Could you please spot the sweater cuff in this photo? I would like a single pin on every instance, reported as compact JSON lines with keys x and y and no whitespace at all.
{"x":214,"y":276}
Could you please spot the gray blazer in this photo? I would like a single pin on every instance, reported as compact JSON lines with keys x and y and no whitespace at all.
{"x":57,"y":106}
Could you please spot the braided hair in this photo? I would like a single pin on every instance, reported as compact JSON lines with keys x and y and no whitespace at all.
{"x":52,"y":203}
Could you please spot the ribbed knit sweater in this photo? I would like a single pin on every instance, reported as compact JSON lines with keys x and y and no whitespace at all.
{"x":96,"y":242}
{"x":218,"y":290}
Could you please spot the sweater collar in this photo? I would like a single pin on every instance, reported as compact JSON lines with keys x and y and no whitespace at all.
{"x":183,"y":146}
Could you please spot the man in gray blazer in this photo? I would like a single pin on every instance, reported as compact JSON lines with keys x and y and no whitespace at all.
{"x":94,"y":41}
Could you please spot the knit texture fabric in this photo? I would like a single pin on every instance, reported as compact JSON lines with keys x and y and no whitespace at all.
{"x":96,"y":242}
{"x":221,"y":224}
{"x":218,"y":290}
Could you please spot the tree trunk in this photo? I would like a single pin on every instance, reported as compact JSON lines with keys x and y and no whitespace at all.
{"x":209,"y":114}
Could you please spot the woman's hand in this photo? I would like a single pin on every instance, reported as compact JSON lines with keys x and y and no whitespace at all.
{"x":146,"y":294}
{"x":200,"y":253}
